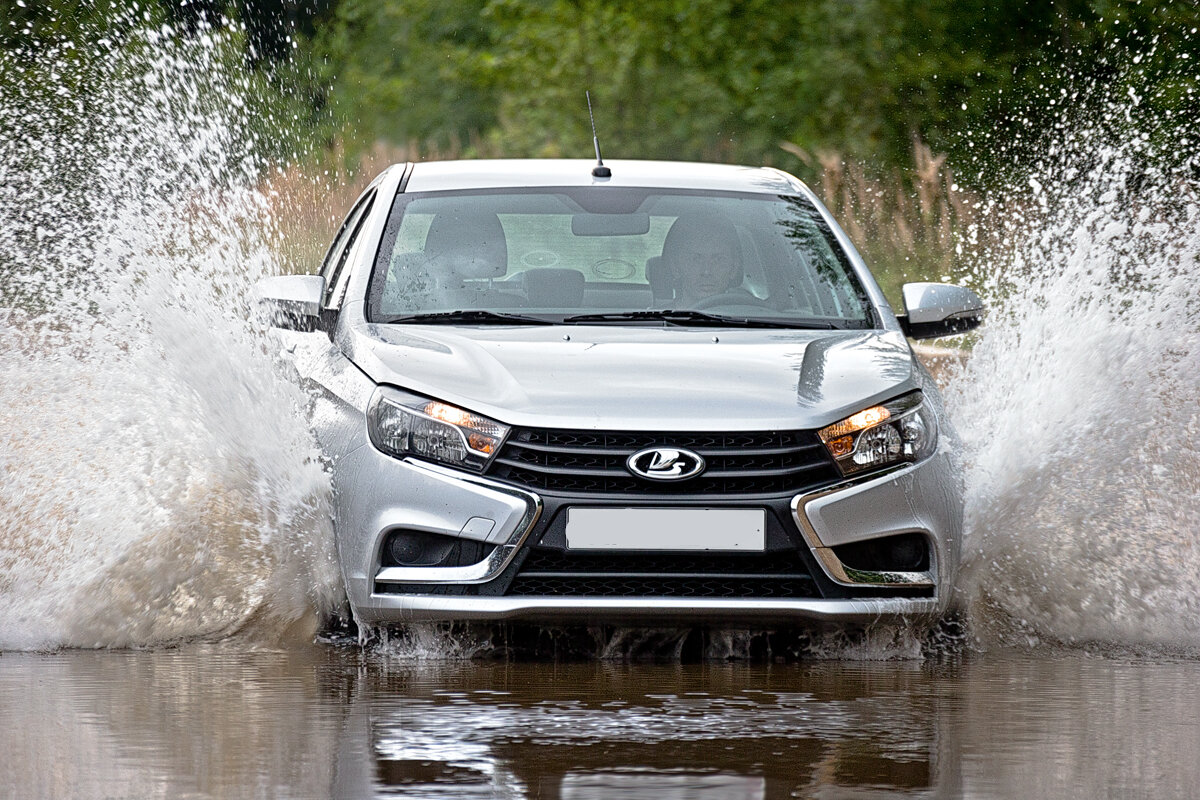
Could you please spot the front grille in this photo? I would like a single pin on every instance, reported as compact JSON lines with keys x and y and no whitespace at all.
{"x":593,"y":462}
{"x":778,"y":563}
{"x":660,"y":586}
{"x":778,"y":574}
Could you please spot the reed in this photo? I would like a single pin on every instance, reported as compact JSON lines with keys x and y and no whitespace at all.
{"x":915,"y":224}
{"x":309,"y":201}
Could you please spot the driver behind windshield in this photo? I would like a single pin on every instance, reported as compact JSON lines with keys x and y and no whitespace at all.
{"x":699,"y":255}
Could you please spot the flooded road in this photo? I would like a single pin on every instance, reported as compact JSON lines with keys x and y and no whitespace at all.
{"x":336,"y":721}
{"x":159,"y":484}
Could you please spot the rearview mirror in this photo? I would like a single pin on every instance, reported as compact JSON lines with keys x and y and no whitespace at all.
{"x":610,"y":224}
{"x":293,"y":301}
{"x":939,"y":309}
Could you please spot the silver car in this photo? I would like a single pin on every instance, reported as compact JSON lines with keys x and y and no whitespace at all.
{"x":668,"y":393}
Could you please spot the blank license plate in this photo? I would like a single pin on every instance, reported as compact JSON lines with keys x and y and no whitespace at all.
{"x":666,"y":528}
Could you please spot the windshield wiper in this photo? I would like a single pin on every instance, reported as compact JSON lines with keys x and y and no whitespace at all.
{"x":474,"y":315}
{"x":688,"y":317}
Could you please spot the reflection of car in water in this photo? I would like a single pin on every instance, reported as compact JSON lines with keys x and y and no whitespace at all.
{"x":658,"y":732}
{"x":672,"y":393}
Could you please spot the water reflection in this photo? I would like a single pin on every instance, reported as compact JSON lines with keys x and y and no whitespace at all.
{"x":586,"y":730}
{"x":336,"y":722}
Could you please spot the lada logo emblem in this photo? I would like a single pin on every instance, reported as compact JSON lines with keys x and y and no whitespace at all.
{"x":665,"y":464}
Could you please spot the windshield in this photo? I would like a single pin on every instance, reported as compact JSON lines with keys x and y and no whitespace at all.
{"x":609,"y":255}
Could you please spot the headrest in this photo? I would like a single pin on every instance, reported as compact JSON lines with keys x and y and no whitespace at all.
{"x":698,"y":232}
{"x":467,"y":245}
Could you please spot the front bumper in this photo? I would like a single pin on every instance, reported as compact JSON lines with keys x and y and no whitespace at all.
{"x":436,"y":608}
{"x":378,"y":494}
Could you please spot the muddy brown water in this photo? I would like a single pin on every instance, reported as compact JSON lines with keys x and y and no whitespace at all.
{"x":336,"y":721}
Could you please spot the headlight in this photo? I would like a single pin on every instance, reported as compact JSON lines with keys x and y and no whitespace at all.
{"x":403,"y":424}
{"x":896,"y":432}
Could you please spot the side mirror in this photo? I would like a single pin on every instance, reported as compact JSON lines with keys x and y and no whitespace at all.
{"x":939,"y":309}
{"x":293,"y":301}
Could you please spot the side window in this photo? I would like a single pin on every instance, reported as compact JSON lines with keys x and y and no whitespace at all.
{"x":333,"y":268}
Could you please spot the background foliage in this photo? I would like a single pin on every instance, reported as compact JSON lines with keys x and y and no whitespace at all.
{"x":896,"y":109}
{"x":730,"y":80}
{"x":695,"y":79}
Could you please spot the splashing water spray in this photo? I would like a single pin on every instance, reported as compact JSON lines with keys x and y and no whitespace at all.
{"x":1078,"y":404}
{"x":159,"y":482}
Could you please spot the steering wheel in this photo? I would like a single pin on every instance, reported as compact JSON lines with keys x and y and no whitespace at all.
{"x":742,"y":298}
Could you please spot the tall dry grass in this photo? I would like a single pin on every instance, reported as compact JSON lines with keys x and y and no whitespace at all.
{"x":909,"y":224}
{"x":309,"y":201}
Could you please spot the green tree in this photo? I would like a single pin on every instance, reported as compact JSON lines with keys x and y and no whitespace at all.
{"x":731,"y":79}
{"x":404,"y":71}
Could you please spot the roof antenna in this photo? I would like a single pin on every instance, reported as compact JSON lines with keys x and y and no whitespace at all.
{"x":599,"y":171}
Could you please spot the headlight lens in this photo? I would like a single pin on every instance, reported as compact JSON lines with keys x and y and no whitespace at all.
{"x":403,"y":424}
{"x":899,"y":431}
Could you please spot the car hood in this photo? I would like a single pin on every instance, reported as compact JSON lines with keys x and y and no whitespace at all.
{"x":640,"y":377}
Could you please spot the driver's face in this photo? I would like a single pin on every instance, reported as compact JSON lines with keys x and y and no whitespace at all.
{"x":703,"y":269}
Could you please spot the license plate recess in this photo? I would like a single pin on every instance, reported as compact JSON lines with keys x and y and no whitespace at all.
{"x":666,"y":529}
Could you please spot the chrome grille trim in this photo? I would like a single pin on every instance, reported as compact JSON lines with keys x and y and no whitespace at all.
{"x":593,"y":462}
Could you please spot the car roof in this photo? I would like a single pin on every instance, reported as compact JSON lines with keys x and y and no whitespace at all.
{"x":435,"y":176}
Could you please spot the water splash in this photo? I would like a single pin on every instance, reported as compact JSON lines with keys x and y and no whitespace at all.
{"x":1078,"y":404}
{"x":158,"y":479}
{"x":448,"y":642}
{"x":432,"y":642}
